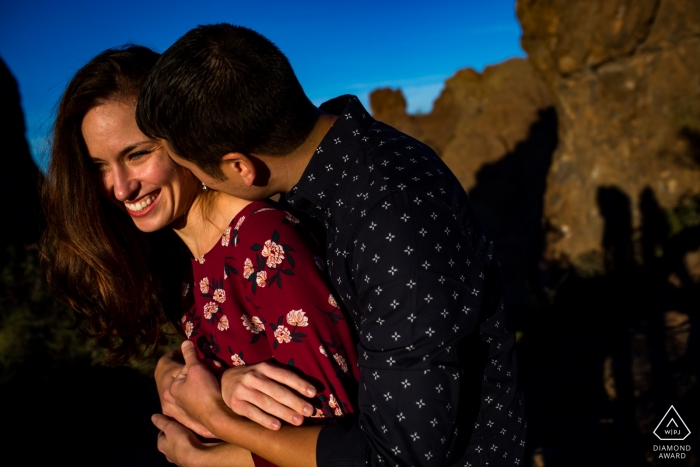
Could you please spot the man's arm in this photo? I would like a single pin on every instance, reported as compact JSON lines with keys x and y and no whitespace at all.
{"x":261,"y":392}
{"x":419,"y":290}
{"x":196,"y":391}
{"x":180,"y":446}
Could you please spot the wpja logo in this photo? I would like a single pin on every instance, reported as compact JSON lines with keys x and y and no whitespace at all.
{"x":672,"y":428}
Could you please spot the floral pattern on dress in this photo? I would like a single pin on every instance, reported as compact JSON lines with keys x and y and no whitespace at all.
{"x":259,"y":296}
{"x":190,"y":322}
{"x":267,"y":267}
{"x":248,"y":268}
{"x":274,"y":254}
{"x":236,"y":229}
{"x":226,"y":237}
{"x":289,"y":217}
{"x":236,"y":359}
{"x":220,"y":295}
{"x":297,"y":318}
{"x":340,"y":360}
{"x":215,"y":294}
{"x":222,"y":325}
{"x":283,"y":334}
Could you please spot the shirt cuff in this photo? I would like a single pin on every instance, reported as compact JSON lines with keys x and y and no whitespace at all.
{"x":341,"y":445}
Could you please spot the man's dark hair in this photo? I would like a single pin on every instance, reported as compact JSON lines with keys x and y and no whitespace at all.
{"x":223,"y":88}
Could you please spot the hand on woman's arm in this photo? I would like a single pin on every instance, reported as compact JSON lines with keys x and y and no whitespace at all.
{"x":198,"y":394}
{"x":262,"y":392}
{"x":168,"y":367}
{"x":183,"y":448}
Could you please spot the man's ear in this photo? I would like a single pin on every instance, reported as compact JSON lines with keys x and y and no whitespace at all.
{"x":235,"y":164}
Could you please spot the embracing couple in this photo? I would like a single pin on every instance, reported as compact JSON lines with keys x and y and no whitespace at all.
{"x":358,"y":320}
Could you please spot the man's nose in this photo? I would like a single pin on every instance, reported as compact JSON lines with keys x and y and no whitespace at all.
{"x":125,"y":184}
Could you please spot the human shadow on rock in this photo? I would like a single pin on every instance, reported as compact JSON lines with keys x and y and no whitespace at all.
{"x":604,"y":360}
{"x":508,"y":198}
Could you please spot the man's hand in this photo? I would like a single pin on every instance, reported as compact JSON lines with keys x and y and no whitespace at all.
{"x":176,"y":441}
{"x":168,"y":367}
{"x":182,"y":447}
{"x":262,"y":392}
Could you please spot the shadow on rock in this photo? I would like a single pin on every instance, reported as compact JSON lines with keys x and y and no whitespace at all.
{"x":508,"y":199}
{"x":604,"y":359}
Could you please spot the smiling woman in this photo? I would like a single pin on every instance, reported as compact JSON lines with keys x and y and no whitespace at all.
{"x":120,"y":282}
{"x":137,"y":174}
{"x":116,"y":203}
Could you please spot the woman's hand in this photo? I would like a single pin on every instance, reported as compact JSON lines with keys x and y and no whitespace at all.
{"x":182,"y":447}
{"x":262,"y":392}
{"x":167,"y":369}
{"x":195,"y":390}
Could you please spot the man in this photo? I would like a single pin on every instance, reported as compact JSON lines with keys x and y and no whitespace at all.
{"x":404,"y":251}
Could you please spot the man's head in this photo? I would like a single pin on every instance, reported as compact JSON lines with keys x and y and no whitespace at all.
{"x":224,"y":89}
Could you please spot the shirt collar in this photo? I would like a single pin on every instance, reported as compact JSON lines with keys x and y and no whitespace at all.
{"x":323,"y":175}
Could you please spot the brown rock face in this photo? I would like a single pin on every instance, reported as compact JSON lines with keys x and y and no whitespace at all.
{"x":625,"y":77}
{"x":478,"y":118}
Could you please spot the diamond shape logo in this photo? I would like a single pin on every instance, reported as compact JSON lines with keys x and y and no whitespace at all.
{"x":672,"y":427}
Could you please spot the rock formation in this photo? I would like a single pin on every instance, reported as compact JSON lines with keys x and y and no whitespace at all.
{"x":478,"y":118}
{"x":626,"y":82}
{"x":497,"y":131}
{"x":587,"y":155}
{"x":19,"y":177}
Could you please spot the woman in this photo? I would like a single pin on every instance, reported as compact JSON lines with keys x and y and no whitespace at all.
{"x":113,"y":201}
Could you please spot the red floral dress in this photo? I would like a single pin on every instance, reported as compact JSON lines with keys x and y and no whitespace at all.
{"x":260,"y":294}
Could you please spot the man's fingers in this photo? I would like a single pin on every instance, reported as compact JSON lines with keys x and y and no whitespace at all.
{"x":262,"y":409}
{"x":269,"y":397}
{"x":253,"y":413}
{"x":280,"y":394}
{"x":189,"y":352}
{"x":288,"y":378}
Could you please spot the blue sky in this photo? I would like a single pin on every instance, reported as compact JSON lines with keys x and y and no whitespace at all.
{"x":334,"y":47}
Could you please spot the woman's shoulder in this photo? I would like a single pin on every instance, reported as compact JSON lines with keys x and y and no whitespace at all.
{"x":262,"y":215}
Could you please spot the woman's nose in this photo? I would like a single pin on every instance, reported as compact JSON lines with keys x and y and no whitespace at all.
{"x":125,"y":185}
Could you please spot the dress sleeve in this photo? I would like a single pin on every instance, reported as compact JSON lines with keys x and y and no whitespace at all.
{"x":303,"y":323}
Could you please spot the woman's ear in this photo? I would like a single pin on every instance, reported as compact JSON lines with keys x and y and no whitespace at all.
{"x":235,"y":164}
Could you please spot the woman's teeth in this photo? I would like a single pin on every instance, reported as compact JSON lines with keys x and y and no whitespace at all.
{"x":141,"y":205}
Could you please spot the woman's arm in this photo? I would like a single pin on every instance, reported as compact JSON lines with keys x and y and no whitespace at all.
{"x":197,"y":393}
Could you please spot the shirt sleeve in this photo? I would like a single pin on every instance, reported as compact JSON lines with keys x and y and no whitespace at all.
{"x":291,"y":299}
{"x":419,"y":284}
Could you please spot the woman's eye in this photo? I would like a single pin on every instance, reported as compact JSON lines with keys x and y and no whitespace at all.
{"x":138,"y":155}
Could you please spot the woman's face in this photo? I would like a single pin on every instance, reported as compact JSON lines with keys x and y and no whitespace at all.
{"x":135,"y":172}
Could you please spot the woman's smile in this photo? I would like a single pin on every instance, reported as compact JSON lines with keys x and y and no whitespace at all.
{"x":142,"y":206}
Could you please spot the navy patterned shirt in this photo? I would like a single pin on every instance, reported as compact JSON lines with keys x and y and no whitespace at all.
{"x":416,"y":273}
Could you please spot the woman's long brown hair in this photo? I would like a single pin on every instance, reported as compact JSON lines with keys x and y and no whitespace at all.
{"x":123,"y":284}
